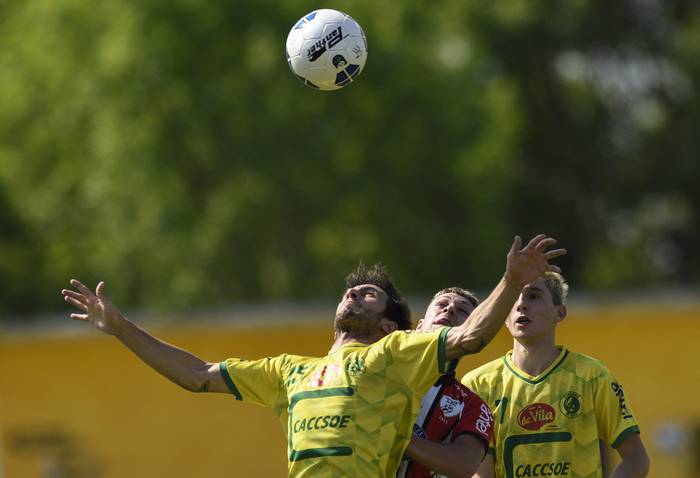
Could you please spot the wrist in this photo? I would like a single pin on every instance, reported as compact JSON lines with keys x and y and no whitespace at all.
{"x":120,"y":326}
{"x":511,"y":282}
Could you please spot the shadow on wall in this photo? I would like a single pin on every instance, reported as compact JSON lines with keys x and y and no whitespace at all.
{"x":58,"y":453}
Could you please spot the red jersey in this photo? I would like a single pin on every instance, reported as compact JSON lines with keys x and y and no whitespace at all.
{"x":448,"y":410}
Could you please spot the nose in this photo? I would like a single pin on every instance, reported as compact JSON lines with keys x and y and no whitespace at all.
{"x":449,"y":308}
{"x":520,"y":304}
{"x":351,"y":294}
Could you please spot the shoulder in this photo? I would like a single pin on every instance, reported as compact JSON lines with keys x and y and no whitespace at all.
{"x":468,"y":395}
{"x":484,"y":373}
{"x":587,"y":366}
{"x":401,"y":338}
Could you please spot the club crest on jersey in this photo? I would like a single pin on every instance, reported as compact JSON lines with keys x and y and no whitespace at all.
{"x":535,"y":416}
{"x":570,"y":404}
{"x":355,"y":366}
{"x":450,"y":407}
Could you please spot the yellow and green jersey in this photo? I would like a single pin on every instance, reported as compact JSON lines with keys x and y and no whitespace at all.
{"x":351,"y":412}
{"x":550,"y":425}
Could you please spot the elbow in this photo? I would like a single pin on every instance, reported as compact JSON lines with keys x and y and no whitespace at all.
{"x":197,"y":382}
{"x":473,"y":345}
{"x":462,"y":471}
{"x":463,"y":467}
{"x":191,"y":386}
{"x":644,"y":465}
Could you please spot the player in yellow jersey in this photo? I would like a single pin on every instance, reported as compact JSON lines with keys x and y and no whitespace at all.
{"x":351,"y":412}
{"x":551,"y":405}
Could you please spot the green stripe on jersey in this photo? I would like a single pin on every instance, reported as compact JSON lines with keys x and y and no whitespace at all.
{"x":227,"y":380}
{"x":630,"y":431}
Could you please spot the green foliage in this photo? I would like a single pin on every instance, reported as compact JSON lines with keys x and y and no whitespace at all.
{"x":166,"y":148}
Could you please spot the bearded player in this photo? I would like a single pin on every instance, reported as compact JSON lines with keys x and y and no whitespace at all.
{"x":351,"y":412}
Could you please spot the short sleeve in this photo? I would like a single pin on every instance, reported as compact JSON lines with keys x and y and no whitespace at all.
{"x":419,"y":357}
{"x":477,"y":420}
{"x":472,"y":381}
{"x":614,"y":415}
{"x":254,"y":381}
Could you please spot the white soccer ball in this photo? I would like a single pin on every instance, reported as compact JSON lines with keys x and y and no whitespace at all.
{"x":326,"y":49}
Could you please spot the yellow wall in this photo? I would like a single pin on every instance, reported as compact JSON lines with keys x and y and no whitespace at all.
{"x":86,"y":406}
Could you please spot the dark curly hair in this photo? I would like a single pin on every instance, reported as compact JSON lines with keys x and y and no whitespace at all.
{"x":397,"y":309}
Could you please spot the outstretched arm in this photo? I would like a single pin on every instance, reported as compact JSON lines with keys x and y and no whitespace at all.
{"x":174,"y":363}
{"x":522,"y":267}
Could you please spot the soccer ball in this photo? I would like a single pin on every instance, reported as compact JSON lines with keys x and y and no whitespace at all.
{"x":326,"y":49}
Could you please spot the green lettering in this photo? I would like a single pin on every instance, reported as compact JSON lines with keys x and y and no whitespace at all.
{"x":565,"y":468}
{"x":535,"y":469}
{"x":334,"y":421}
{"x":527,"y":471}
{"x":519,"y":471}
{"x":325,"y":421}
{"x":344,"y":421}
{"x":551,"y":469}
{"x":515,"y":441}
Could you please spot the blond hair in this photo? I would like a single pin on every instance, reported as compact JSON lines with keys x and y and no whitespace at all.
{"x":557,"y":286}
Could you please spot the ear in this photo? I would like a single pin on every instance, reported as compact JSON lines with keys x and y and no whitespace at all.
{"x":388,"y":326}
{"x":561,"y":312}
{"x":418,"y":325}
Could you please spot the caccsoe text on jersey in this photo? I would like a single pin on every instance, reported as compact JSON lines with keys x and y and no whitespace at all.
{"x":543,"y":469}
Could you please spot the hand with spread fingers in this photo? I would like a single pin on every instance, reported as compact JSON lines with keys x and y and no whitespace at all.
{"x":97,"y":307}
{"x":529,"y":263}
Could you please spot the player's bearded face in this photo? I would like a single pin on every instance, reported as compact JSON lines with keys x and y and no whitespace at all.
{"x":360,"y":309}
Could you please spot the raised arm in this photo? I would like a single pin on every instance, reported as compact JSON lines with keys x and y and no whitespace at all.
{"x":174,"y":363}
{"x":522,"y":267}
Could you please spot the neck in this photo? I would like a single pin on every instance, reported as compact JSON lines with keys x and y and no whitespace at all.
{"x":534,"y":358}
{"x":346,"y":337}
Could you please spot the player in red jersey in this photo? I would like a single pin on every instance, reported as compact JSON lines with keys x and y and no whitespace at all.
{"x":454,"y":426}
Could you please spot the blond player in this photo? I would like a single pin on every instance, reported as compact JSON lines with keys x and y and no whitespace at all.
{"x":551,"y":405}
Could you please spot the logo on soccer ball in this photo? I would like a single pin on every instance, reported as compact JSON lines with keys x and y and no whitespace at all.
{"x":329,"y":41}
{"x":570,"y":404}
{"x":450,"y":407}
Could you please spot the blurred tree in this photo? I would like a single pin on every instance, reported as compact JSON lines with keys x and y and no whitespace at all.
{"x":165,"y":147}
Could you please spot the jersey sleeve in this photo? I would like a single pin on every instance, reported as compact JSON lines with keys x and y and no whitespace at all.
{"x":418,"y":357}
{"x":474,"y":381}
{"x":476,"y":419}
{"x":254,"y":381}
{"x":614,"y":415}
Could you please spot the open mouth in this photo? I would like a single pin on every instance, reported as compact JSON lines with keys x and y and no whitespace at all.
{"x":522,"y":321}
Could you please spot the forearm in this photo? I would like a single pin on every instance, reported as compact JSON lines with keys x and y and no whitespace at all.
{"x":174,"y":363}
{"x":631,"y":468}
{"x":450,"y":460}
{"x":484,"y":322}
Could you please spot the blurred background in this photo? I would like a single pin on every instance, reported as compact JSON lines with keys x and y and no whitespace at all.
{"x":166,"y":148}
